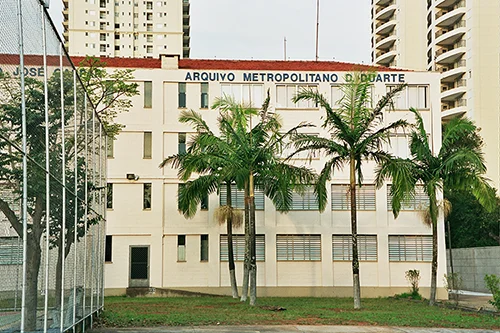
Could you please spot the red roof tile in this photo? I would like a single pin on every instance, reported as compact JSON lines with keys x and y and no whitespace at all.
{"x":272,"y":65}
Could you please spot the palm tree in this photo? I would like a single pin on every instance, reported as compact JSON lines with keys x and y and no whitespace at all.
{"x":357,"y":133}
{"x":459,"y":165}
{"x":259,"y":149}
{"x":216,"y":171}
{"x":245,"y":155}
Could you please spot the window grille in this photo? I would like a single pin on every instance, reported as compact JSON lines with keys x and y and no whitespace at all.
{"x":342,"y":247}
{"x":11,"y":251}
{"x":410,"y":248}
{"x":419,"y":202}
{"x":305,"y":201}
{"x":365,"y":197}
{"x":238,"y":197}
{"x":298,"y":247}
{"x":239,"y":248}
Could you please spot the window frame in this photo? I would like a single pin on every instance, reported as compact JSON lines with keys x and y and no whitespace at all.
{"x":204,"y":250}
{"x":288,"y":247}
{"x":305,"y":200}
{"x":289,"y":104}
{"x":148,"y":145}
{"x":109,"y":196}
{"x":366,"y":198}
{"x":181,"y":248}
{"x":239,"y":248}
{"x":182,"y":98}
{"x":147,"y":196}
{"x":422,"y":248}
{"x":418,"y":203}
{"x":343,"y":243}
{"x":148,"y":94}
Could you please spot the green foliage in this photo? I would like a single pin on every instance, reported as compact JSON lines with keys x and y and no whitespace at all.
{"x":470,"y":223}
{"x":415,"y":295}
{"x":413,"y":277}
{"x":453,"y":282}
{"x":493,"y":283}
{"x":149,"y":312}
{"x":110,"y":92}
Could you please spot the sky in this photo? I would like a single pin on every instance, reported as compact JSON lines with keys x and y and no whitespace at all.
{"x":242,"y":29}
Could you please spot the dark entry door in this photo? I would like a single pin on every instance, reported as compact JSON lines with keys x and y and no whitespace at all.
{"x":139,"y":266}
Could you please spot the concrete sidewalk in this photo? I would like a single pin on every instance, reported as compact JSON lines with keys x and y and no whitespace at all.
{"x":286,"y":329}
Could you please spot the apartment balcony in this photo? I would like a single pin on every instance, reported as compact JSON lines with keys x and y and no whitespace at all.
{"x":446,"y":3}
{"x":385,"y":58}
{"x":384,"y":14}
{"x":452,"y":72}
{"x":185,"y":51}
{"x":383,"y":2}
{"x":455,"y":93}
{"x":185,"y":19}
{"x":448,"y":56}
{"x":455,"y":109}
{"x":449,"y":19}
{"x":384,"y":28}
{"x":385,"y":42}
{"x":66,"y":14}
{"x":449,"y":37}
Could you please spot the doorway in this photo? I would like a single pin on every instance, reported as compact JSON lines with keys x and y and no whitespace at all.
{"x":139,"y":267}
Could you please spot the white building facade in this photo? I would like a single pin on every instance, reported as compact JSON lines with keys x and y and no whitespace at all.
{"x":301,"y":253}
{"x":459,"y":39}
{"x":127,"y":28}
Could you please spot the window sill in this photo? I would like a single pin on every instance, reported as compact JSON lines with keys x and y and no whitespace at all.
{"x":203,"y":261}
{"x":204,"y":108}
{"x":146,"y":209}
{"x":108,"y":262}
{"x":181,"y":261}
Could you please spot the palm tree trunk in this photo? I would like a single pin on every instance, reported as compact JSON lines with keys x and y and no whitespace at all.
{"x":246,"y":266}
{"x":433,"y":212}
{"x":354,"y":231}
{"x":253,"y":262}
{"x":230,"y":250}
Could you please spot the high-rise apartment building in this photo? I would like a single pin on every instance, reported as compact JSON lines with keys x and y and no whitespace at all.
{"x":127,"y":28}
{"x":462,"y":43}
{"x":397,"y":33}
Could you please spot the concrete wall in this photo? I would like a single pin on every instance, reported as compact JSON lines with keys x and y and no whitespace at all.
{"x":473,"y":264}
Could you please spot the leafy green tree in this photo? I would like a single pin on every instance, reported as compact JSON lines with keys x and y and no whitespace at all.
{"x":470,"y":223}
{"x":247,"y":155}
{"x":11,"y":156}
{"x":458,"y":165}
{"x":357,"y":134}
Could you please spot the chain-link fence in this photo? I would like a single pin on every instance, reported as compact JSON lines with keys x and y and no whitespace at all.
{"x":52,"y":179}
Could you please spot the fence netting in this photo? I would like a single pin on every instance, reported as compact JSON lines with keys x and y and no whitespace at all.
{"x":52,"y":179}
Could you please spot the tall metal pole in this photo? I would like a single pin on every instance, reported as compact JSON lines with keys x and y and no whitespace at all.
{"x":25,"y":164}
{"x":47,"y":174}
{"x":317,"y":29}
{"x":284,"y":47}
{"x":63,"y":162}
{"x":85,"y":216}
{"x":75,"y":199}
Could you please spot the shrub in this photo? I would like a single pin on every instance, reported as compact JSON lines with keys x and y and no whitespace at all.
{"x":453,"y":281}
{"x":413,"y":277}
{"x":493,"y":283}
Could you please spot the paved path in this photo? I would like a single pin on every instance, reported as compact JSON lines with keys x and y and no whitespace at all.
{"x":287,"y":329}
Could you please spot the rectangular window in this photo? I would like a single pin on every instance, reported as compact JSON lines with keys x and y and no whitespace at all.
{"x":298,"y":247}
{"x":341,"y":198}
{"x":148,"y":144}
{"x":252,"y":94}
{"x":204,"y":248}
{"x":182,"y":94}
{"x":410,"y":248}
{"x":181,"y":247}
{"x":109,"y":196}
{"x":109,"y":248}
{"x":11,"y":251}
{"x":342,"y":247}
{"x":419,"y":202}
{"x":204,"y":203}
{"x":337,"y":95}
{"x":148,"y":94}
{"x":181,"y":143}
{"x":305,"y":201}
{"x":110,"y":151}
{"x":399,"y":145}
{"x":286,"y":92}
{"x":238,"y":197}
{"x":239,"y":248}
{"x":180,"y":187}
{"x":415,"y":96}
{"x":146,"y":194}
{"x":204,"y":95}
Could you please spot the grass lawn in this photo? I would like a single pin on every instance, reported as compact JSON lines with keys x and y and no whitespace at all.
{"x":130,"y":312}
